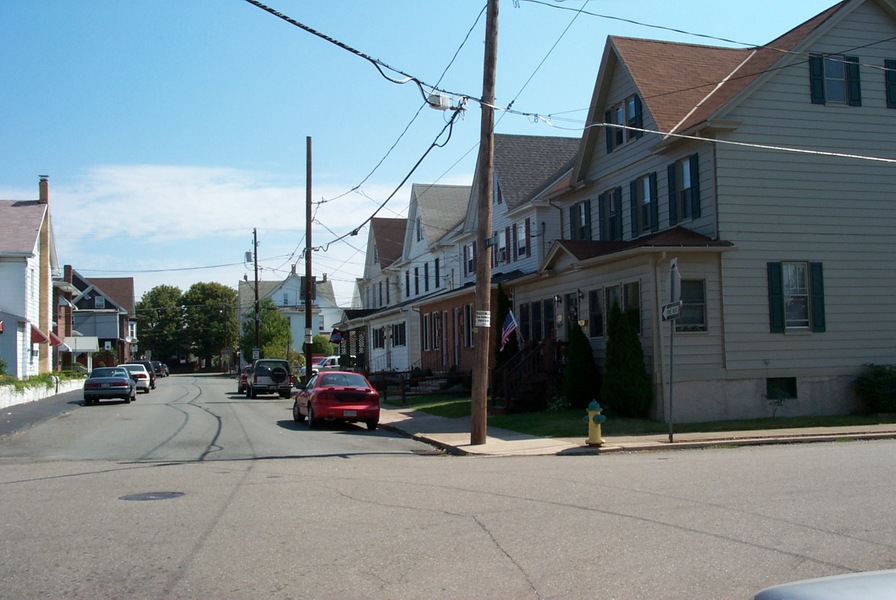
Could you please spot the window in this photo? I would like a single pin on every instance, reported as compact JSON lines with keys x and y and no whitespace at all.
{"x":610,"y":214}
{"x":470,"y":258}
{"x":834,"y":79}
{"x":693,"y":306}
{"x":99,"y":301}
{"x":890,"y":80}
{"x":499,"y":250}
{"x":379,"y":337}
{"x":780,"y":388}
{"x":628,"y":113}
{"x":524,"y":323}
{"x":436,"y":330}
{"x":521,"y":235}
{"x":644,"y":209}
{"x":285,"y":299}
{"x":580,"y":221}
{"x":399,"y":334}
{"x":425,"y":332}
{"x":595,"y":314}
{"x":633,"y":302}
{"x":796,"y":297}
{"x":468,"y":325}
{"x":537,"y":335}
{"x":438,"y":281}
{"x":684,"y":189}
{"x":418,"y":227}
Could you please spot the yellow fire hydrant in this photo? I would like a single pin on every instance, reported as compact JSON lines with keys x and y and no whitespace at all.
{"x":595,"y":419}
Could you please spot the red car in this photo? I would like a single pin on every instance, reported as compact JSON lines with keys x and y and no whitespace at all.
{"x":337,"y":396}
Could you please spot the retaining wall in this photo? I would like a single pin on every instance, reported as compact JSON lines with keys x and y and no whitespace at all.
{"x":10,"y":396}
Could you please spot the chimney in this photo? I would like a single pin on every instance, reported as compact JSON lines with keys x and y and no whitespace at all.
{"x":325,"y":278}
{"x":293,"y":269}
{"x":44,"y":187}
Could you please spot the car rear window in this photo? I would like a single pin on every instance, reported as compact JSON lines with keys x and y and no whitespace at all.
{"x":342,"y":380}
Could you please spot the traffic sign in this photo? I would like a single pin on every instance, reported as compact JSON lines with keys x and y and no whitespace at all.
{"x":672,"y":311}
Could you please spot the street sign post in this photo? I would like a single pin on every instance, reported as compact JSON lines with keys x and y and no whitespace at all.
{"x":671,"y":312}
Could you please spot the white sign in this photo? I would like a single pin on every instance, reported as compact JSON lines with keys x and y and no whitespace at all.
{"x":256,"y":353}
{"x":483,"y":318}
{"x":674,"y":281}
{"x":672,"y":311}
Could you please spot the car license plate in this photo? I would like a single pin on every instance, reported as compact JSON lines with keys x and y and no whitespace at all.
{"x":105,"y":385}
{"x":349,"y":413}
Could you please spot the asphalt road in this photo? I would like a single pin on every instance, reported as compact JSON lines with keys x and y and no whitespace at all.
{"x":192,"y":492}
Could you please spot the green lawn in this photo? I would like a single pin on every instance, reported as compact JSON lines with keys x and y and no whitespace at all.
{"x":572,"y":423}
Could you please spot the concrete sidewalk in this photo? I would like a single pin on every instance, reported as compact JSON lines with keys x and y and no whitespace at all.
{"x":453,"y":436}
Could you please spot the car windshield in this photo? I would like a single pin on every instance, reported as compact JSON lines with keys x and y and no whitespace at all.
{"x":107,"y":372}
{"x":342,"y":380}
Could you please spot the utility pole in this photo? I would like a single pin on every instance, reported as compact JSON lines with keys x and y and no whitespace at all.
{"x":255,"y":258}
{"x":482,"y":302}
{"x":308,"y":257}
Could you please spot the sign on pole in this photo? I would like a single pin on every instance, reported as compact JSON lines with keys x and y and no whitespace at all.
{"x":672,"y":311}
{"x":674,"y":281}
{"x":483,"y":318}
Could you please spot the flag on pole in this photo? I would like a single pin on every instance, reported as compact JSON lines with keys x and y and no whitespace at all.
{"x":507,"y":329}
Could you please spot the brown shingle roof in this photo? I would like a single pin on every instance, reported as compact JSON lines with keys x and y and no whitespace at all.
{"x":119,"y":289}
{"x":526,"y":163}
{"x":21,"y":225}
{"x":677,"y":237}
{"x":388,"y":235}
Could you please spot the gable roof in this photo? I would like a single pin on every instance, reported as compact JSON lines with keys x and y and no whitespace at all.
{"x":525,"y":163}
{"x":441,"y":208}
{"x":22,"y":221}
{"x":119,"y":289}
{"x":388,"y":236}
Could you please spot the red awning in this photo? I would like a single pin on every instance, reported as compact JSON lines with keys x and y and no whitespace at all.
{"x":55,"y":340}
{"x":38,"y":336}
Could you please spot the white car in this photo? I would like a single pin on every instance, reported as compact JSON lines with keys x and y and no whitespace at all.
{"x":331,"y":363}
{"x":140,"y":375}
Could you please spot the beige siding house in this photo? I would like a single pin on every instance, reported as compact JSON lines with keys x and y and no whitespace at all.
{"x":768,"y":173}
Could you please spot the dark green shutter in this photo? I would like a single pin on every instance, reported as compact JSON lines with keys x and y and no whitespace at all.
{"x":639,"y":116}
{"x":694,"y":166}
{"x":775,"y":298}
{"x":654,"y":205}
{"x":853,"y":86}
{"x":588,"y":219}
{"x":617,"y":198}
{"x":673,"y":194}
{"x":572,"y":222}
{"x":816,"y":283}
{"x":816,"y":78}
{"x":633,"y":192}
{"x":602,"y":216}
{"x":609,"y":131}
{"x":890,"y":75}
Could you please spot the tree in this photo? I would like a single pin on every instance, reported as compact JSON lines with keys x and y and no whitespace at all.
{"x":581,"y":380}
{"x":273,"y":332}
{"x":502,"y":309}
{"x":210,"y":317}
{"x":626,"y":387}
{"x":160,"y":322}
{"x":320,"y":344}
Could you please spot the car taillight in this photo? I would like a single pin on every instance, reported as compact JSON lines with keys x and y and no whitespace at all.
{"x":90,"y":385}
{"x":120,"y":384}
{"x":326,"y":395}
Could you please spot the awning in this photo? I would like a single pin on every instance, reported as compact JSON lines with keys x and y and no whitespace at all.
{"x":38,"y":336}
{"x":55,"y":340}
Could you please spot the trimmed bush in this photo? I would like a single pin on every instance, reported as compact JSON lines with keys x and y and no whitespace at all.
{"x":626,"y":388}
{"x":876,"y":386}
{"x":581,"y":380}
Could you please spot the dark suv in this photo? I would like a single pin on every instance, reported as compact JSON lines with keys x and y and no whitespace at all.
{"x":269,"y":376}
{"x":148,"y":365}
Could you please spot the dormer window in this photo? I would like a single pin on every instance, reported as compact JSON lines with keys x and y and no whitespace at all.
{"x":834,"y":79}
{"x":419,"y":228}
{"x":99,"y":302}
{"x":628,"y":113}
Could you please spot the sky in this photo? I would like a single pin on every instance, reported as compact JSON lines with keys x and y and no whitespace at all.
{"x":171,"y":129}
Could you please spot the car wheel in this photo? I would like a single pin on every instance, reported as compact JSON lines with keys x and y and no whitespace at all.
{"x":372,"y":424}
{"x":127,"y":399}
{"x":312,"y":422}
{"x":297,"y":415}
{"x":252,"y":393}
{"x":133,"y":395}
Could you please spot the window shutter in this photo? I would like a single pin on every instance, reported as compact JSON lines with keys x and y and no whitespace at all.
{"x":633,"y":193}
{"x":816,"y":283}
{"x":853,"y":86}
{"x":602,"y":216}
{"x":494,"y":248}
{"x":639,"y":116}
{"x":528,"y":238}
{"x":617,"y":199}
{"x":474,"y":257}
{"x":816,"y":78}
{"x":654,"y":205}
{"x":775,"y":298}
{"x":588,"y":219}
{"x":673,"y":195}
{"x":507,"y":244}
{"x":890,"y":75}
{"x":694,"y":165}
{"x":572,"y":221}
{"x":609,"y":131}
{"x":514,"y":242}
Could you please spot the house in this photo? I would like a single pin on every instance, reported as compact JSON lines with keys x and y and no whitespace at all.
{"x":102,"y":318}
{"x":766,"y":174}
{"x":28,"y":263}
{"x":523,"y":222}
{"x":288,"y":295}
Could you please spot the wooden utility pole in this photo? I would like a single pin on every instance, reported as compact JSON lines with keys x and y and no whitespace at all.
{"x":482,"y":302}
{"x":308,"y":258}
{"x":255,"y":258}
